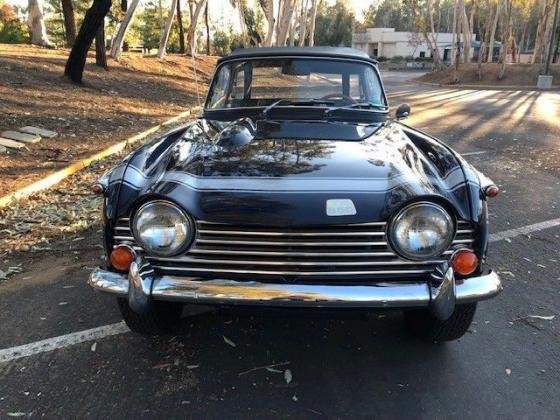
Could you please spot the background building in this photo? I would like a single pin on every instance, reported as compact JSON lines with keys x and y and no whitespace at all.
{"x":386,"y":42}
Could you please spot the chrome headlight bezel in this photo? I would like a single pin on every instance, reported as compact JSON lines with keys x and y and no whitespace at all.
{"x":401,"y":215}
{"x":186,"y":221}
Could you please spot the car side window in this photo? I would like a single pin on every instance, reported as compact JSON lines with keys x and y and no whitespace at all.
{"x":219,"y":92}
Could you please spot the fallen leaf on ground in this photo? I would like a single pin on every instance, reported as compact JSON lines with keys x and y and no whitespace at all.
{"x":94,"y":346}
{"x":288,"y":376}
{"x":228,"y":341}
{"x":546,"y":318}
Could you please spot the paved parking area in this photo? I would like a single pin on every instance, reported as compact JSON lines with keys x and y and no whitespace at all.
{"x":232,"y":365}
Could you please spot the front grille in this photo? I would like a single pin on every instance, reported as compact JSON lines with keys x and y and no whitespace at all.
{"x":341,"y":252}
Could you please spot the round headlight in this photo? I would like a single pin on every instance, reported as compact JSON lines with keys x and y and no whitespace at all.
{"x":161,"y":228}
{"x":421,"y":231}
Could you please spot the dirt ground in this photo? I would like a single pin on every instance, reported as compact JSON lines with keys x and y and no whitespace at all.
{"x":135,"y":94}
{"x":515,"y":75}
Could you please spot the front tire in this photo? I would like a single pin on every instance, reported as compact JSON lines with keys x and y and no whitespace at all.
{"x":161,"y":317}
{"x":421,"y":323}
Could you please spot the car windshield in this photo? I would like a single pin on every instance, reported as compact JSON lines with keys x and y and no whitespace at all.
{"x":294,"y":81}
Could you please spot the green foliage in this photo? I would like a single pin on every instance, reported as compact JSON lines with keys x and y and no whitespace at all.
{"x":12,"y":30}
{"x":334,"y":24}
{"x":225,"y":42}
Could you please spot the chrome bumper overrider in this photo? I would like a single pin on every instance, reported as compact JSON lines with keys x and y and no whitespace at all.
{"x":440,"y":292}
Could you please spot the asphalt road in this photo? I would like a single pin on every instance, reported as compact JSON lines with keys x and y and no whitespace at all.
{"x":345,"y":367}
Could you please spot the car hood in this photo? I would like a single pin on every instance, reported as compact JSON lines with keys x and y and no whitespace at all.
{"x":266,"y":176}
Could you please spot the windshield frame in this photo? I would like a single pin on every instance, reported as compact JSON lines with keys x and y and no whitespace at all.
{"x":208,"y":112}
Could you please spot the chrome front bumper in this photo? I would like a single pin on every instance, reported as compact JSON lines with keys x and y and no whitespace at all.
{"x":440,"y":292}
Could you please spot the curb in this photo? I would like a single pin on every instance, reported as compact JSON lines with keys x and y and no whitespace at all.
{"x":77,"y":166}
{"x":486,"y":87}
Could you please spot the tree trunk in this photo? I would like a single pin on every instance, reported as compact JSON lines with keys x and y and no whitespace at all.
{"x":302,"y":23}
{"x":454,"y":31}
{"x":100,"y":52}
{"x":432,"y":42}
{"x":312,"y":19}
{"x":69,"y":22}
{"x":283,"y":26}
{"x":181,"y":29}
{"x":292,"y":31}
{"x":483,"y":46}
{"x":539,"y":35}
{"x":92,"y":21}
{"x":36,"y":23}
{"x":269,"y":13}
{"x":207,"y":29}
{"x":506,"y":34}
{"x":195,"y":13}
{"x":468,"y":28}
{"x":490,"y":56}
{"x":116,"y":47}
{"x":521,"y":45}
{"x":165,"y":35}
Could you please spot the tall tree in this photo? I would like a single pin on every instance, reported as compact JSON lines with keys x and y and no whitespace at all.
{"x":285,"y":12}
{"x":167,"y":29}
{"x":116,"y":47}
{"x":69,"y":22}
{"x":207,"y":29}
{"x":312,"y":20}
{"x":36,"y":23}
{"x":506,"y":34}
{"x":268,"y":8}
{"x":195,"y":7}
{"x":92,"y":21}
{"x":493,"y":33}
{"x":100,"y":51}
{"x":303,"y":22}
{"x":181,"y":29}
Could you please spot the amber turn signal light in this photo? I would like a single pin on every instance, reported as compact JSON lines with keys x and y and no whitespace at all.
{"x":121,"y":257}
{"x":464,"y":262}
{"x":97,"y":189}
{"x":491,"y":191}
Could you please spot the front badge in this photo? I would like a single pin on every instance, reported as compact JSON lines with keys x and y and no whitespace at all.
{"x":340,"y":207}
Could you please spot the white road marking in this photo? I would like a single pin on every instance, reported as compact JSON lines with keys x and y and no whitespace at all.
{"x":13,"y":353}
{"x":523,"y":230}
{"x":480,"y":152}
{"x":62,"y":341}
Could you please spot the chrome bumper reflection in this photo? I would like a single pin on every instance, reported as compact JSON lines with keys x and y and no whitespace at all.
{"x":399,"y":294}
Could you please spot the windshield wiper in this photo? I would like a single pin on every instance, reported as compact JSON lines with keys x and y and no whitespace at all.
{"x":297,"y":102}
{"x":360,"y":105}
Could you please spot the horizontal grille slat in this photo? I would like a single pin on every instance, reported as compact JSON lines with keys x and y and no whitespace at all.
{"x":353,"y":251}
{"x":189,"y":260}
{"x":286,"y":234}
{"x":289,"y":273}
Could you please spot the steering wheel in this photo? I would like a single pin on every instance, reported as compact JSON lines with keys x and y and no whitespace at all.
{"x":339,"y":95}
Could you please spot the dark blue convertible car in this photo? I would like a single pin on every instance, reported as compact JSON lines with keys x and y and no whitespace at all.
{"x":297,"y":188}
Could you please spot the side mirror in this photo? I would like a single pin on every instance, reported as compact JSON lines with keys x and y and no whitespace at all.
{"x":402,"y":112}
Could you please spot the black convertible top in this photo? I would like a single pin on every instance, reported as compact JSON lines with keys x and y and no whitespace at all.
{"x":337,"y":52}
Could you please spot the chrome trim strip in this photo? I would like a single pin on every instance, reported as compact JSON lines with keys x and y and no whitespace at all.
{"x":188,"y":260}
{"x":290,"y":253}
{"x":290,"y":273}
{"x":462,"y":241}
{"x":306,"y":234}
{"x":387,"y":294}
{"x":123,"y":238}
{"x":203,"y":222}
{"x":294,"y":243}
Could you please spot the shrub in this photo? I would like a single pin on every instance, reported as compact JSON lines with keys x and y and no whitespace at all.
{"x":12,"y":30}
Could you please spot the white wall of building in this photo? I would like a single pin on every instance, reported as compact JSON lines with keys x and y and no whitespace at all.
{"x":386,"y":42}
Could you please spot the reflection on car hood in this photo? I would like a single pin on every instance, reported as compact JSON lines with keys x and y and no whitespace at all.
{"x":290,"y":178}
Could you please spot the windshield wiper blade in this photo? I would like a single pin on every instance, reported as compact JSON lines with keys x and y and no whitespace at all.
{"x":366,"y":105}
{"x":297,"y":102}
